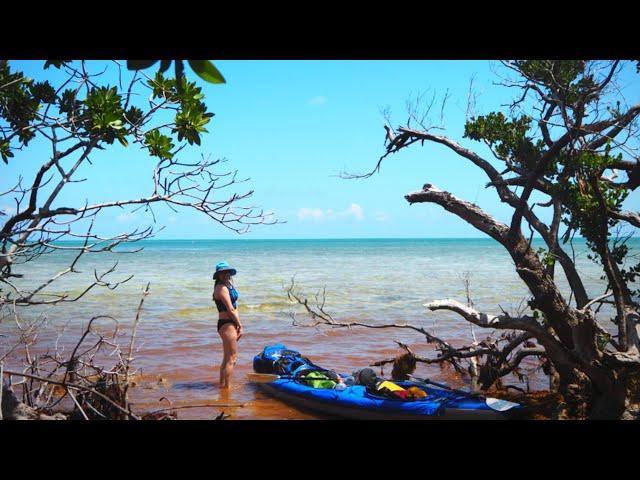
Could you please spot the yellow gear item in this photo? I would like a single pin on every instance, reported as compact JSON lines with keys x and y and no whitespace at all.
{"x":390,"y":385}
{"x":417,"y":392}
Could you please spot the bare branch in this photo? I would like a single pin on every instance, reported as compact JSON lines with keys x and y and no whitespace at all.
{"x":484,"y":320}
{"x":465,"y":210}
{"x":631,"y":217}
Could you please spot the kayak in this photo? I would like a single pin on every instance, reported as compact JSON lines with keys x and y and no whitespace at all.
{"x":285,"y":371}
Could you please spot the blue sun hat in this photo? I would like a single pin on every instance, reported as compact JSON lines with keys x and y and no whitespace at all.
{"x":221,"y":267}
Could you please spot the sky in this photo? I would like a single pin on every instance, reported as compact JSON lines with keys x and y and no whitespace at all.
{"x":292,"y":127}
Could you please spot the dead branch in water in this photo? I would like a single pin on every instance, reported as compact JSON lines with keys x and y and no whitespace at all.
{"x":129,"y":359}
{"x":502,"y":355}
{"x":95,"y":392}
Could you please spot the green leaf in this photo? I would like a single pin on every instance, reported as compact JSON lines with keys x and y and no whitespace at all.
{"x":159,"y":145}
{"x":140,"y":64}
{"x":43,"y":92}
{"x":5,"y":151}
{"x":207,"y":71}
{"x":134,"y":115}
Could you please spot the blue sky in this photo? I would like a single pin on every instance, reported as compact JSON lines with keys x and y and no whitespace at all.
{"x":292,"y":127}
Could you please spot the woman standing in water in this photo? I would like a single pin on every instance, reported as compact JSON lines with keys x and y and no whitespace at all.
{"x":229,"y":326}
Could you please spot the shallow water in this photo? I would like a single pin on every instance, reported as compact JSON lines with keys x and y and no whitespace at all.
{"x":375,"y":281}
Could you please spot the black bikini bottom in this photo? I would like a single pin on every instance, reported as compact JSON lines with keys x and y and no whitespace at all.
{"x":224,"y":321}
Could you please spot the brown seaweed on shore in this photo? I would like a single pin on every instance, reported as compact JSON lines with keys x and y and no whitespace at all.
{"x":541,"y":405}
{"x":403,"y":365}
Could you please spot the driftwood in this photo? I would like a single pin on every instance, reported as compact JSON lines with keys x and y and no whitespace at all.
{"x":95,"y":392}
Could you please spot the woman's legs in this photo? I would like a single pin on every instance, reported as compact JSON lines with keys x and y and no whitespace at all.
{"x":229,"y":336}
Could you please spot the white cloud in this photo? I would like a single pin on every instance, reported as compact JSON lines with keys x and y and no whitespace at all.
{"x":381,"y":216}
{"x":317,"y":214}
{"x":312,"y":213}
{"x":354,"y":210}
{"x":319,"y":100}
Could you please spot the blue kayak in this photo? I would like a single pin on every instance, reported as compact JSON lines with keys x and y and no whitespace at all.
{"x":359,"y":402}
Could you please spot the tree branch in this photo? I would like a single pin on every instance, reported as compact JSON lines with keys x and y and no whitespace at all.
{"x":467,"y":211}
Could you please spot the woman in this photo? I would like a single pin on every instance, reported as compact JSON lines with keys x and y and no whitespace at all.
{"x":229,"y":326}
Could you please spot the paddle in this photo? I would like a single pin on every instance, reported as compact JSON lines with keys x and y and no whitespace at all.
{"x":269,"y":377}
{"x":426,"y":381}
{"x":493,"y":403}
{"x":265,"y":377}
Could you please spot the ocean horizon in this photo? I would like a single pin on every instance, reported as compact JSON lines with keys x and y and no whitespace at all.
{"x":243,"y":238}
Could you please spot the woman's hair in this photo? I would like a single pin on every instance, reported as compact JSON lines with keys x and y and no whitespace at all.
{"x":220,"y":281}
{"x":216,"y":275}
